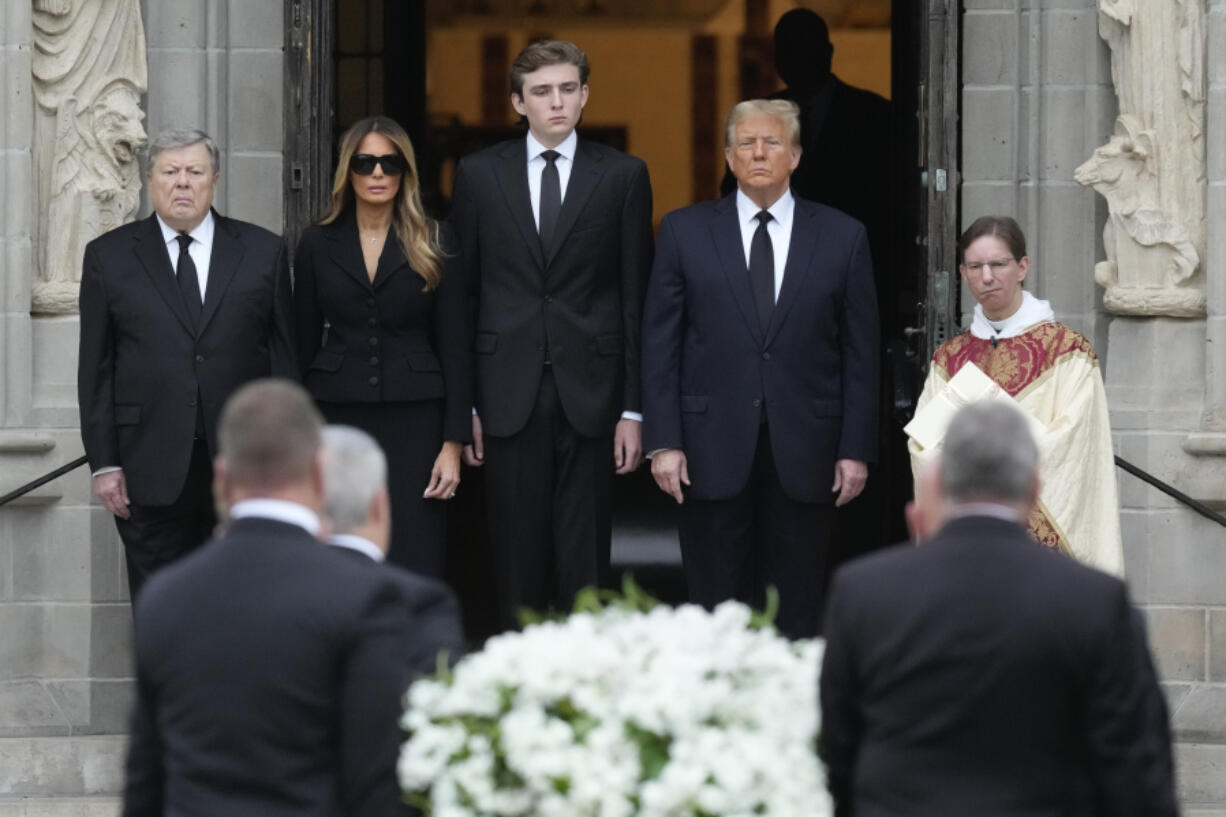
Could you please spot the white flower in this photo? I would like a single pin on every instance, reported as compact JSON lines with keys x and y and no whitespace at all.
{"x":622,"y":714}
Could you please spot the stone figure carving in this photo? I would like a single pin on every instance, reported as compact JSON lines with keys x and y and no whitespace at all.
{"x":89,"y":72}
{"x":1152,"y":170}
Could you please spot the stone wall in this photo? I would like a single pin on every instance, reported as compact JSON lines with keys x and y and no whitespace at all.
{"x":65,"y":661}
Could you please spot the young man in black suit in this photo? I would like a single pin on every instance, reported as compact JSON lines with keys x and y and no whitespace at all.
{"x":269,"y":668}
{"x":177,"y":311}
{"x":760,"y":374}
{"x":981,"y":673}
{"x":358,"y":511}
{"x":555,"y":240}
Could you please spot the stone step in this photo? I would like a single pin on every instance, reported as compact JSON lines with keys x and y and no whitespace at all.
{"x":61,"y":767}
{"x":1200,"y":772}
{"x":59,"y":806}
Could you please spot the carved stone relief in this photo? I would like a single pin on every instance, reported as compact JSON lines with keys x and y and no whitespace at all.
{"x":89,"y":72}
{"x":1152,"y":170}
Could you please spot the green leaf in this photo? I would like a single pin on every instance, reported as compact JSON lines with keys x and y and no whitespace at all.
{"x":766,"y":618}
{"x":653,"y":750}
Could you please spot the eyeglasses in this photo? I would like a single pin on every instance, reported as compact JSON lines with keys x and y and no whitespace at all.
{"x":363,"y":164}
{"x":996,"y":265}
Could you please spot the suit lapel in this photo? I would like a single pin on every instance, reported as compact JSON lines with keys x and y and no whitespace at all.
{"x":151,"y":251}
{"x":726,"y":234}
{"x":345,"y":248}
{"x":227,"y":255}
{"x":390,"y":260}
{"x":584,"y":176}
{"x":805,"y":230}
{"x":512,"y":175}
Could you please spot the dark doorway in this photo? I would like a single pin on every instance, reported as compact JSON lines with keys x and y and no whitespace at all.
{"x":351,"y":58}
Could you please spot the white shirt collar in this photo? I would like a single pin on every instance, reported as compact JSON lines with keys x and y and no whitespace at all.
{"x":280,"y":510}
{"x":1031,"y":312}
{"x":992,"y":509}
{"x":203,"y":232}
{"x":359,"y":543}
{"x":567,"y":148}
{"x":781,"y":211}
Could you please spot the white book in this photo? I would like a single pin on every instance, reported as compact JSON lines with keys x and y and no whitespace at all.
{"x":969,"y":385}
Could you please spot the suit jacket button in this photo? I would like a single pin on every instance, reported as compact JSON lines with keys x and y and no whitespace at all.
{"x":757,"y":402}
{"x":766,"y":355}
{"x":192,"y":402}
{"x":199,"y":358}
{"x":373,"y":342}
{"x":372,"y":322}
{"x":374,"y":381}
{"x":548,"y":299}
{"x":374,"y":361}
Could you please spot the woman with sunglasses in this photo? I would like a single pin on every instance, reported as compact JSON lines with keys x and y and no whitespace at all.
{"x":382,"y":336}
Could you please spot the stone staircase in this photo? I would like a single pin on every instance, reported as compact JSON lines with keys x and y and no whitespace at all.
{"x":1198,"y":716}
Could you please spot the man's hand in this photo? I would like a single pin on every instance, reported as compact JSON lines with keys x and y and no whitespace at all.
{"x":627,"y":445}
{"x":849,"y":479}
{"x":112,"y":489}
{"x":671,"y":472}
{"x":474,"y":454}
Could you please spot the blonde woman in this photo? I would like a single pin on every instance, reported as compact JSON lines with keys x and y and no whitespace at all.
{"x":382,"y":336}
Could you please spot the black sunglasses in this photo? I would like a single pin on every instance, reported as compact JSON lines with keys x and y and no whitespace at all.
{"x":363,"y":164}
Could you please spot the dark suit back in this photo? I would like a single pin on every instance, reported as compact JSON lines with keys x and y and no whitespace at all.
{"x":581,"y":299}
{"x":981,"y":674}
{"x":142,"y":369}
{"x":269,"y":673}
{"x":814,"y":369}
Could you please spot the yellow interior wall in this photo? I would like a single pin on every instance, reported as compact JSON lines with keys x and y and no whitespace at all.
{"x":641,"y":80}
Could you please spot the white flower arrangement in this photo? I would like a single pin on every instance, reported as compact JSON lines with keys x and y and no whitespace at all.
{"x":624,"y":710}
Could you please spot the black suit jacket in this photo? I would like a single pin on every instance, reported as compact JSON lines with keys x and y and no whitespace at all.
{"x":142,"y":370}
{"x":982,"y":674}
{"x":269,"y":674}
{"x":709,"y":370}
{"x":583,"y":297}
{"x":436,"y":613}
{"x":387,"y":340}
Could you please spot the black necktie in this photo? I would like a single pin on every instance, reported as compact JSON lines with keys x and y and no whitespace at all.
{"x":762,"y":270}
{"x":551,"y":199}
{"x":189,"y":284}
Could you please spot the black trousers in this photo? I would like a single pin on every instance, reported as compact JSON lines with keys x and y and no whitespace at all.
{"x":549,"y":493}
{"x":156,"y":535}
{"x":735,"y":548}
{"x":410,"y":434}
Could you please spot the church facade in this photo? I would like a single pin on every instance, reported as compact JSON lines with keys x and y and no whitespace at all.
{"x":1099,"y":124}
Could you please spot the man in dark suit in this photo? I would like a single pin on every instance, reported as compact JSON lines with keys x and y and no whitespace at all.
{"x":760,"y":374}
{"x":980,"y":673}
{"x":177,"y":311}
{"x":357,"y":507}
{"x":555,"y":239}
{"x":269,"y":668}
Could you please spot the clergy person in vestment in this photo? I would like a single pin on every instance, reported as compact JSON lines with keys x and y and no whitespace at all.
{"x":1053,"y":374}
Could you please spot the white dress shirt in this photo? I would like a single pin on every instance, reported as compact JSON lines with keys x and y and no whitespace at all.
{"x":279,"y":510}
{"x":536,"y":166}
{"x":201,"y":249}
{"x":359,"y":543}
{"x":779,"y":228}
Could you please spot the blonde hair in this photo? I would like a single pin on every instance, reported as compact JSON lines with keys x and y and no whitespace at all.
{"x":417,"y":233}
{"x":782,"y":109}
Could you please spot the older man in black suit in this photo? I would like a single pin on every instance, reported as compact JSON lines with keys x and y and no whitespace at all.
{"x":980,"y":673}
{"x":177,"y":311}
{"x":760,"y":374}
{"x":357,"y":507}
{"x":555,"y":239}
{"x":269,"y":668}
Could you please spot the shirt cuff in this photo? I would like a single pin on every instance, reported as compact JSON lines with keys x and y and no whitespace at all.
{"x":632,"y":415}
{"x":107,"y":470}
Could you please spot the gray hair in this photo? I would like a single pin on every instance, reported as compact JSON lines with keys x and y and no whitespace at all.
{"x":354,"y":471}
{"x":784,"y":110}
{"x":175,"y":138}
{"x":989,"y":455}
